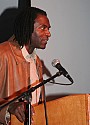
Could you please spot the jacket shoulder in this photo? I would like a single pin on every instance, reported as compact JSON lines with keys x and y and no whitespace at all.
{"x":4,"y":47}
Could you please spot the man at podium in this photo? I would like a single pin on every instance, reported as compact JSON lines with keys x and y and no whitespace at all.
{"x":20,"y":66}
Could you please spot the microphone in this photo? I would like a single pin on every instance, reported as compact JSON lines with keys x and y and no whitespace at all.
{"x":56,"y":63}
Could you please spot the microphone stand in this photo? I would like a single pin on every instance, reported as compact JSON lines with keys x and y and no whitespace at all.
{"x":28,"y":109}
{"x":46,"y":117}
{"x":27,"y":95}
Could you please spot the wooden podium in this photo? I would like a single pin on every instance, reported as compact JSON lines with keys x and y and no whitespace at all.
{"x":68,"y":110}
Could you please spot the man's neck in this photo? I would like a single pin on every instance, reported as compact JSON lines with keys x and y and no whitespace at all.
{"x":30,"y":49}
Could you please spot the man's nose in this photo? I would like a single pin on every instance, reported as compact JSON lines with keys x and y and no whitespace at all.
{"x":48,"y":33}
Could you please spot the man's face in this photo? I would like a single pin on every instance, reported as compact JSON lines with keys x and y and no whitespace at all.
{"x":41,"y":32}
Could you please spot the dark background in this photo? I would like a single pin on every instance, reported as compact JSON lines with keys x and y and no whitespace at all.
{"x":7,"y":19}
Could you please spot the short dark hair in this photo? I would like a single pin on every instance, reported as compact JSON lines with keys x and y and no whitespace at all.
{"x":24,"y":24}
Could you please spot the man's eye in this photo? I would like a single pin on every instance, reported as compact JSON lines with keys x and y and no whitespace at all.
{"x":43,"y":27}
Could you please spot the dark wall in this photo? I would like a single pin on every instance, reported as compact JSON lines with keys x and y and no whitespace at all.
{"x":7,"y":19}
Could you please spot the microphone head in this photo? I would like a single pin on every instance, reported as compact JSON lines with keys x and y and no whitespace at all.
{"x":55,"y":62}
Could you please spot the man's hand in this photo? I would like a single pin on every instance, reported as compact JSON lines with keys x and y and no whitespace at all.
{"x":18,"y":110}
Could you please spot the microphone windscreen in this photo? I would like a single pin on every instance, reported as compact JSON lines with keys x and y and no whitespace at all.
{"x":55,"y":62}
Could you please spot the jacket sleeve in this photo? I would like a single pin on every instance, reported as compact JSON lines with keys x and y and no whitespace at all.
{"x":2,"y":84}
{"x":2,"y":116}
{"x":3,"y":112}
{"x":3,"y":73}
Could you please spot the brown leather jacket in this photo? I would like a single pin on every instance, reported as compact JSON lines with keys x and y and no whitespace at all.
{"x":14,"y":71}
